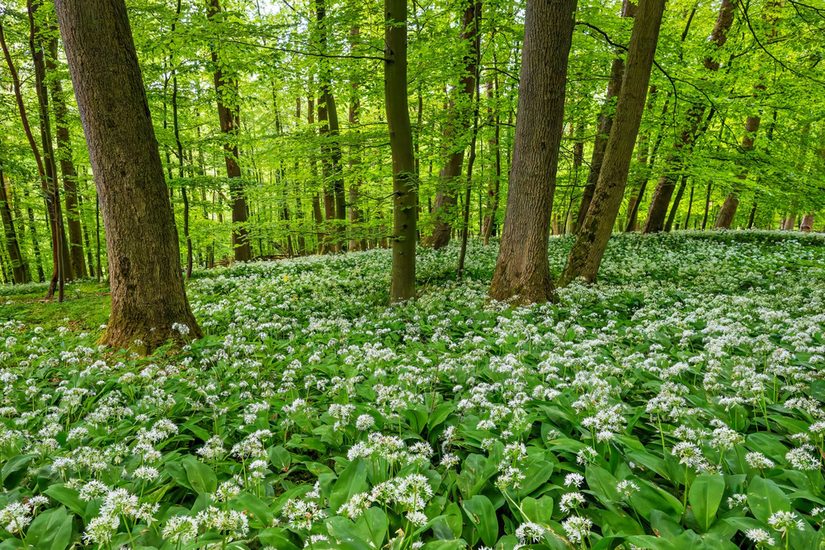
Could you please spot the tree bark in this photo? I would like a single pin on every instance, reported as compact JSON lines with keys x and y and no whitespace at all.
{"x":494,"y":187}
{"x":226,"y":89}
{"x":334,"y":194}
{"x":591,"y":241}
{"x":405,"y":182}
{"x":728,"y":211}
{"x":460,"y":123}
{"x":603,"y":126}
{"x":677,"y":160}
{"x":67,"y":168}
{"x":20,"y":272}
{"x":148,"y":296}
{"x":807,"y":224}
{"x":522,"y":271}
{"x":47,"y":185}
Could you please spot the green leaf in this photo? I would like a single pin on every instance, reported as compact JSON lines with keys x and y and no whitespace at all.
{"x":376,"y":524}
{"x":14,"y":469}
{"x":51,"y":530}
{"x":344,"y":531}
{"x":483,"y":516}
{"x":602,"y":484}
{"x":537,"y":510}
{"x":280,"y":458}
{"x":705,"y":496}
{"x":259,"y":508}
{"x":352,"y":480}
{"x":277,"y":537}
{"x":766,"y":498}
{"x":67,"y":497}
{"x":200,"y":476}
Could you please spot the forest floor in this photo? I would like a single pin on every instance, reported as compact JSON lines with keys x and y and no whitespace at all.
{"x":678,"y":403}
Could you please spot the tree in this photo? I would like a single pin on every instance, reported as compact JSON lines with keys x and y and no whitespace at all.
{"x":46,"y":175}
{"x":678,"y":159}
{"x":591,"y":241}
{"x":20,"y":272}
{"x":229,"y":115}
{"x":461,"y":121}
{"x":522,"y":270}
{"x":404,"y":181}
{"x":148,"y":299}
{"x":603,"y":125}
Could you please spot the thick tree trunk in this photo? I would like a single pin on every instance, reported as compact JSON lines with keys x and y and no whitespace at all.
{"x":64,"y":154}
{"x":148,"y":297}
{"x":807,"y":224}
{"x":405,"y":182}
{"x":226,"y":89}
{"x":20,"y":273}
{"x":445,"y":199}
{"x":522,"y":271}
{"x":591,"y":241}
{"x":603,"y":126}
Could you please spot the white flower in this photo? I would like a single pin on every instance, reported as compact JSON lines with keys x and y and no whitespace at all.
{"x":785,"y":521}
{"x":573,"y":480}
{"x":529,"y":532}
{"x":577,"y":528}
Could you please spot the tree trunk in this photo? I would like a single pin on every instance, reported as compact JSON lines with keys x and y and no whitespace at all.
{"x":494,"y":188}
{"x":20,"y":272}
{"x":603,"y":126}
{"x":334,"y":194}
{"x":48,"y":186}
{"x":677,"y":161}
{"x":690,"y":202}
{"x":356,"y":240}
{"x":457,"y":127}
{"x":676,"y":201}
{"x":226,"y":89}
{"x":591,"y":241}
{"x":148,"y":298}
{"x":522,"y":270}
{"x":726,"y":214}
{"x":64,"y":154}
{"x":405,"y":183}
{"x":807,"y":224}
{"x":646,"y":164}
{"x":475,"y":99}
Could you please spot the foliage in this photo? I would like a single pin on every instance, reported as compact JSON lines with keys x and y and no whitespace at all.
{"x":678,"y":403}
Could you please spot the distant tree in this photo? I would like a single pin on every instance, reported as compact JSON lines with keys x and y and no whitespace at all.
{"x":229,"y":115}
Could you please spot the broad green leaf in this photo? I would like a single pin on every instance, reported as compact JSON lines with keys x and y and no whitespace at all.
{"x":766,"y":498}
{"x":200,"y":476}
{"x":51,"y":530}
{"x":705,"y":496}
{"x":352,"y":480}
{"x":483,"y":516}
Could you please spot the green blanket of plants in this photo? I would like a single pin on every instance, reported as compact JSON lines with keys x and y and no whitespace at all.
{"x":676,"y":404}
